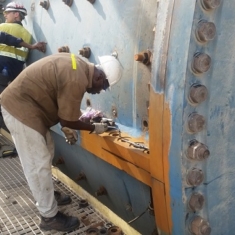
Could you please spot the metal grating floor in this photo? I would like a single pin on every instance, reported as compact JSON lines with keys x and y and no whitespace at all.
{"x":18,"y":213}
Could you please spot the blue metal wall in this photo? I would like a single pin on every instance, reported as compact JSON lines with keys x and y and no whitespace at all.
{"x":126,"y":196}
{"x":107,"y":26}
{"x":127,"y":27}
{"x":217,"y":187}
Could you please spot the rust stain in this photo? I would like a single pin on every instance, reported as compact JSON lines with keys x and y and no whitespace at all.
{"x":118,"y":154}
{"x":155,"y":135}
{"x":160,"y":137}
{"x":151,"y":169}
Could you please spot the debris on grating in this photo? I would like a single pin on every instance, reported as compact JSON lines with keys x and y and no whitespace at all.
{"x":19,"y":214}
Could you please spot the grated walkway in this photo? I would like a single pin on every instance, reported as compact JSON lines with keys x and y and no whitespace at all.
{"x":19,"y":215}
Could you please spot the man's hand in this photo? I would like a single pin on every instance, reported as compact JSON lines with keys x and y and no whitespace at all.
{"x":100,"y":128}
{"x":40,"y":46}
{"x":71,"y":136}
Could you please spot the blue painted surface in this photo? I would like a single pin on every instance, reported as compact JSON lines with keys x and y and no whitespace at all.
{"x":106,"y":26}
{"x":180,"y":23}
{"x":218,"y":110}
{"x":123,"y":190}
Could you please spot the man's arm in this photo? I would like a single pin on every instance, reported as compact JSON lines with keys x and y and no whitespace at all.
{"x":71,"y":135}
{"x":10,"y":40}
{"x":77,"y":125}
{"x":69,"y":128}
{"x":40,"y":46}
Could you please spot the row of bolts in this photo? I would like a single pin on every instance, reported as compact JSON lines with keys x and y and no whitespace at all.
{"x":198,"y":93}
{"x":145,"y":57}
{"x":46,"y":4}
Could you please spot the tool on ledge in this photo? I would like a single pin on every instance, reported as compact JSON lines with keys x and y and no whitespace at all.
{"x":110,"y":123}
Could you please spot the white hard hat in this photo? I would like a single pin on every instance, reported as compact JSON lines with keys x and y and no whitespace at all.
{"x":111,"y":67}
{"x":14,"y":6}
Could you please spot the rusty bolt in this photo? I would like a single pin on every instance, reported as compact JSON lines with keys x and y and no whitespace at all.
{"x":83,"y":203}
{"x":85,"y":52}
{"x":45,"y":4}
{"x":128,"y":207}
{"x":81,"y":176}
{"x":201,"y":63}
{"x":197,"y":151}
{"x":200,"y":226}
{"x":92,"y":231}
{"x":195,"y":177}
{"x":101,"y":191}
{"x":139,"y":57}
{"x":68,"y":2}
{"x":145,"y":57}
{"x":60,"y":161}
{"x":197,"y":94}
{"x":196,"y":202}
{"x":196,"y":122}
{"x":108,"y":225}
{"x":205,"y":31}
{"x":91,"y":1}
{"x":210,"y":4}
{"x":114,"y":230}
{"x":63,"y":49}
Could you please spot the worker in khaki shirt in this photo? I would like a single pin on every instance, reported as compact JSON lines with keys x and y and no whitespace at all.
{"x":48,"y":92}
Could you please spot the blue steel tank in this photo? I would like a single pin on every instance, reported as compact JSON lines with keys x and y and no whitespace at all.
{"x":170,"y":169}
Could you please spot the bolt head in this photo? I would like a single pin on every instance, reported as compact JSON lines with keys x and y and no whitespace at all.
{"x":210,"y":4}
{"x":201,"y":63}
{"x":197,"y":94}
{"x":196,"y":123}
{"x":195,"y":177}
{"x":205,"y":31}
{"x":196,"y":202}
{"x":198,"y":151}
{"x":200,"y":226}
